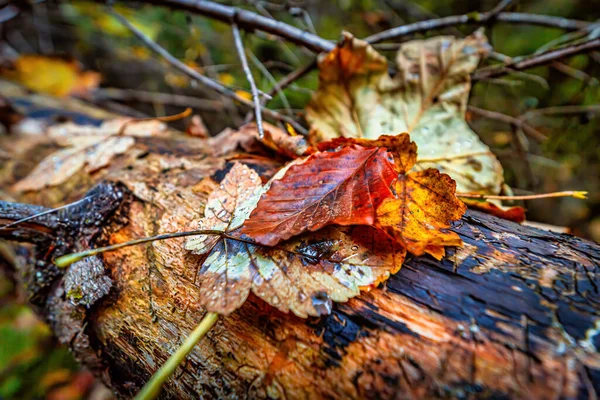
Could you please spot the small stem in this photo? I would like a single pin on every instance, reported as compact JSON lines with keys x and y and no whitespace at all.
{"x":153,"y":387}
{"x":575,"y":194}
{"x":457,"y":157}
{"x":239,"y":45}
{"x":68,"y":259}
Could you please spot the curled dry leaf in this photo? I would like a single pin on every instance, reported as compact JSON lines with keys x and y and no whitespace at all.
{"x":91,"y":147}
{"x":303,"y":275}
{"x":426,"y":97}
{"x":344,"y":187}
{"x":247,"y":138}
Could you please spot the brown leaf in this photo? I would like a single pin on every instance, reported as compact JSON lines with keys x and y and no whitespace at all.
{"x":344,"y":187}
{"x":426,"y":97}
{"x":303,"y":275}
{"x":247,"y":139}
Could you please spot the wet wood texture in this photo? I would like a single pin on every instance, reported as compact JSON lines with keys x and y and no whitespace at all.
{"x":513,"y":314}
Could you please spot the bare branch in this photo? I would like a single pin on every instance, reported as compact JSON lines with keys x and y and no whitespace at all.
{"x":503,"y":5}
{"x":8,"y":12}
{"x":292,"y":77}
{"x":155,"y":97}
{"x":536,"y":60}
{"x":479,"y":19}
{"x":248,"y":20}
{"x":237,"y":37}
{"x":216,"y":86}
{"x":519,"y":123}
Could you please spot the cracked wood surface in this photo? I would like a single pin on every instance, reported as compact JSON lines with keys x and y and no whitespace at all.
{"x":512,"y":314}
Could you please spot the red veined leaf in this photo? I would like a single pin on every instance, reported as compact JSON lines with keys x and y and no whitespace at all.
{"x":343,"y":187}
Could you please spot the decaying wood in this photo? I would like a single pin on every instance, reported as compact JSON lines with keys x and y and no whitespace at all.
{"x":513,"y":314}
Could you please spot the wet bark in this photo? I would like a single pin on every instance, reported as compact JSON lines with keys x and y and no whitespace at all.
{"x":512,"y":314}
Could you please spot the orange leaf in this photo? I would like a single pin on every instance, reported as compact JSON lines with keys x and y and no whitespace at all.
{"x":424,"y":207}
{"x":344,"y":187}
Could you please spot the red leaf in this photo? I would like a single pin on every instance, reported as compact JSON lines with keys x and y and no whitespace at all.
{"x":400,"y":146}
{"x":344,"y":187}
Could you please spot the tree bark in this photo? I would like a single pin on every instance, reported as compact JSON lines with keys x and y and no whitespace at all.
{"x":512,"y":314}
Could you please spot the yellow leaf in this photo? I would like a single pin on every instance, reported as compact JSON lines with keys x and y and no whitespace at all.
{"x":226,"y":79}
{"x":51,"y":75}
{"x":243,"y":94}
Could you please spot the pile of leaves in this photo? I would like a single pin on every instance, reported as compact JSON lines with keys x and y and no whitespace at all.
{"x":341,"y":218}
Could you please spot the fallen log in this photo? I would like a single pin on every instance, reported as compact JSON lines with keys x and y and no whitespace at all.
{"x":512,"y":314}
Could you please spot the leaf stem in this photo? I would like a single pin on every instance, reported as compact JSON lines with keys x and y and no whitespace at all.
{"x":153,"y":387}
{"x":68,"y":259}
{"x":570,"y":193}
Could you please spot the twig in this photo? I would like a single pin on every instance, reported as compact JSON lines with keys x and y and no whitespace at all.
{"x":575,"y":194}
{"x":561,"y":110}
{"x":292,"y":77}
{"x":152,"y":388}
{"x":155,"y":97}
{"x":199,"y":77}
{"x":237,"y":37}
{"x":536,"y":60}
{"x":248,"y":20}
{"x":503,"y":5}
{"x":479,"y":19}
{"x":510,"y":120}
{"x":8,"y":12}
{"x":265,"y":71}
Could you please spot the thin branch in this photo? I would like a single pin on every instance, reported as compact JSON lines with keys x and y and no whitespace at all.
{"x":8,"y":12}
{"x":267,"y":74}
{"x":510,"y":120}
{"x":152,"y":45}
{"x":570,"y":193}
{"x":155,"y":97}
{"x":503,"y":5}
{"x":478,"y":19}
{"x":199,"y":77}
{"x":248,"y":20}
{"x":292,"y":77}
{"x":561,"y":110}
{"x":237,"y":37}
{"x":536,"y":60}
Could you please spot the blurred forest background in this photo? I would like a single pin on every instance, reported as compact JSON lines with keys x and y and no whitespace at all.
{"x":550,"y":143}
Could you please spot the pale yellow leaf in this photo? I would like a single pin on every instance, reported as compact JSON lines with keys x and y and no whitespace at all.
{"x":426,"y":97}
